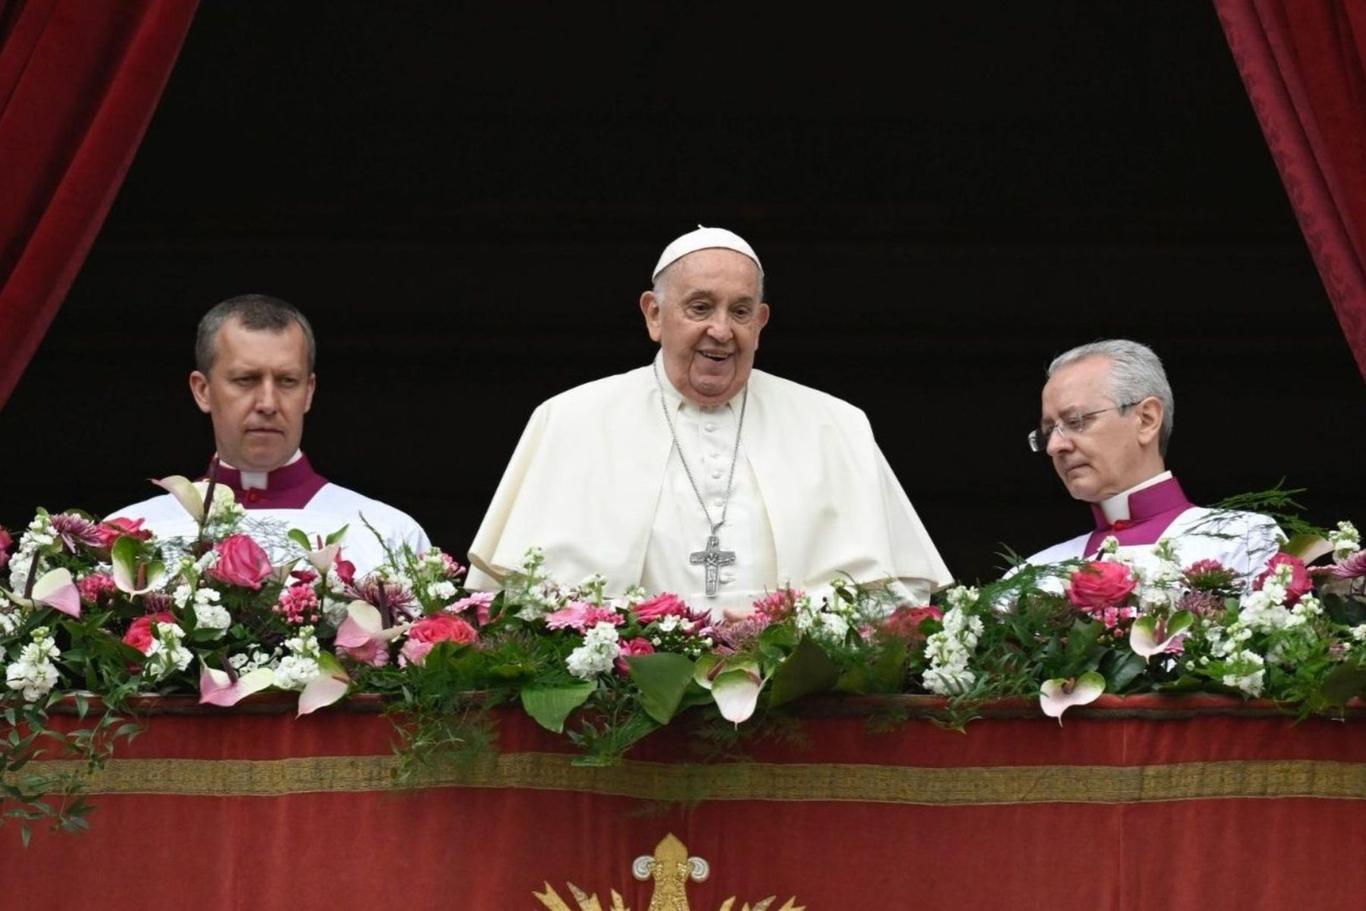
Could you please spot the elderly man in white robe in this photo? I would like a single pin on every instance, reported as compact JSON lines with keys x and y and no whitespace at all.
{"x":1107,"y":414}
{"x":697,"y":474}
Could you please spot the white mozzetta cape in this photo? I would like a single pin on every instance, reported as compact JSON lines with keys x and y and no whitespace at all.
{"x":586,"y":477}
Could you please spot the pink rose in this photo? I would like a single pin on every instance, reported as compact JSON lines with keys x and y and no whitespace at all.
{"x":111,"y":530}
{"x":427,"y":632}
{"x":142,"y":631}
{"x":904,"y":622}
{"x":6,"y":542}
{"x":1100,"y":584}
{"x":241,"y":562}
{"x":662,"y":605}
{"x":1300,"y":583}
{"x":636,"y":646}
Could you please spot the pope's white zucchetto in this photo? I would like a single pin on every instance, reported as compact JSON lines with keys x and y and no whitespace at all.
{"x":704,"y":239}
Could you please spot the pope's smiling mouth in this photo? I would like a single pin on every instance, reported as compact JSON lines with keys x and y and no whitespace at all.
{"x":714,"y":356}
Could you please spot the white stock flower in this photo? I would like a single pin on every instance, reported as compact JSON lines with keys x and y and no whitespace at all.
{"x":167,"y":654}
{"x":441,"y":591}
{"x":1346,"y":540}
{"x":211,"y":616}
{"x":294,"y":672}
{"x":600,"y":648}
{"x":832,"y":627}
{"x":1246,"y":672}
{"x":34,"y":674}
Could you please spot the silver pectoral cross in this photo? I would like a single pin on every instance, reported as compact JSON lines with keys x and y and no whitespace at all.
{"x":713,"y":558}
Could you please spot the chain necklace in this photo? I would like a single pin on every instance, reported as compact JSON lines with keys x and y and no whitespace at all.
{"x":711,"y":557}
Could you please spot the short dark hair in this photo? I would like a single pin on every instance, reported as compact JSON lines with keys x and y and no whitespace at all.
{"x":257,"y":312}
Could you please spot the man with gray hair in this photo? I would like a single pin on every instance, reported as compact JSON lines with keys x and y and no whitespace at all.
{"x":253,"y":376}
{"x":700,"y":476}
{"x":1106,"y":422}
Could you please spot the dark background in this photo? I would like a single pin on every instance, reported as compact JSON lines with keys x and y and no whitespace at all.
{"x":467,"y":199}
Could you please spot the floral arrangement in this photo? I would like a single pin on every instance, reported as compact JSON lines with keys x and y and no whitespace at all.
{"x":107,"y":610}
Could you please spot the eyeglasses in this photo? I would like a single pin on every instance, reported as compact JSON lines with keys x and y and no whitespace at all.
{"x":1072,"y":424}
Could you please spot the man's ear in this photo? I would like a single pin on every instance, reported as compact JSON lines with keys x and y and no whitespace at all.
{"x":199,"y":388}
{"x":1150,"y":413}
{"x":651,"y":308}
{"x":312,"y":388}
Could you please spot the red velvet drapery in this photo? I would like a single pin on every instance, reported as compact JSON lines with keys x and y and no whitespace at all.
{"x":1304,"y":65}
{"x":78,"y":84}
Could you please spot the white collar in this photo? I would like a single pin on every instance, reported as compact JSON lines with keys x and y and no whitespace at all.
{"x":1116,"y":508}
{"x":260,"y":480}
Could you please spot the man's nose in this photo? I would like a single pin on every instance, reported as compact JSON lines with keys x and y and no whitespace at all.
{"x":719,"y":327}
{"x":1058,"y":441}
{"x":266,"y":398}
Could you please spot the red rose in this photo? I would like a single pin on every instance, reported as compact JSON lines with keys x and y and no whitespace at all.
{"x":111,"y":530}
{"x":241,"y":562}
{"x":1100,"y":584}
{"x":142,"y":632}
{"x":1300,"y":583}
{"x":5,"y":543}
{"x":636,"y":646}
{"x":664,"y":605}
{"x":427,"y":632}
{"x":904,"y":622}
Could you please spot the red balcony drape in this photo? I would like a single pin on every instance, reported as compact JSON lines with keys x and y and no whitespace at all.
{"x":1304,"y":65}
{"x":78,"y":84}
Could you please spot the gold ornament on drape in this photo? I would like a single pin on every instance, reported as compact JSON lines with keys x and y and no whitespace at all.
{"x":671,"y":868}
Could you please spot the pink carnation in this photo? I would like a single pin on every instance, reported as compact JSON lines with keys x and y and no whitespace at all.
{"x":97,"y":587}
{"x":580,"y":615}
{"x":1100,"y":584}
{"x":1300,"y":583}
{"x":662,"y":605}
{"x":480,"y":601}
{"x":142,"y":632}
{"x":375,"y":652}
{"x":629,"y":647}
{"x":427,"y":632}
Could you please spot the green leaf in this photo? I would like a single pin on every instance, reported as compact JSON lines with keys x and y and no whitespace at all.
{"x":336,"y":535}
{"x":807,"y":670}
{"x":663,"y":678}
{"x":1342,"y":683}
{"x":551,"y":705}
{"x":1081,"y":640}
{"x":1121,"y":668}
{"x":299,"y":538}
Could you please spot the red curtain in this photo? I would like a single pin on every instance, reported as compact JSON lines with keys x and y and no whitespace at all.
{"x":1302,"y":63}
{"x":78,"y":83}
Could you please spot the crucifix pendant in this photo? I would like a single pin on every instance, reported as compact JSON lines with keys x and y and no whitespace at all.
{"x":713,"y":558}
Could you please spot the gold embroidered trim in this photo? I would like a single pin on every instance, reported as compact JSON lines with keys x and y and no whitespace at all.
{"x":742,"y":781}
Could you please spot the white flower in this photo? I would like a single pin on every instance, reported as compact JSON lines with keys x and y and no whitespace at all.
{"x":831,"y":627}
{"x":441,"y":591}
{"x":600,"y":648}
{"x":960,"y":597}
{"x":1359,"y":633}
{"x":294,"y":672}
{"x":9,"y":618}
{"x":181,"y":595}
{"x":167,"y":654}
{"x":34,"y":674}
{"x":668,"y":623}
{"x":211,"y":616}
{"x":1247,"y":670}
{"x":1346,"y":540}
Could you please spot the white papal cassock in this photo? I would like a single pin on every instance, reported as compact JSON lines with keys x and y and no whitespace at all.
{"x":596,"y":484}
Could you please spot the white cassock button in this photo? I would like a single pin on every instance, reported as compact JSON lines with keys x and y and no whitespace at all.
{"x":718,"y":502}
{"x":709,"y":427}
{"x":716,"y":473}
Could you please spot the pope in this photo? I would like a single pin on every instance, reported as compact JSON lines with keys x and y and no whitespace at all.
{"x":699,"y":475}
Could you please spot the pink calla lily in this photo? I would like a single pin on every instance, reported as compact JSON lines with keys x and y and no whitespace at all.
{"x":218,"y":688}
{"x":131,"y":576}
{"x":1058,"y":695}
{"x":735,"y":685}
{"x":1152,"y":635}
{"x":326,"y":688}
{"x":54,"y":589}
{"x":363,"y":625}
